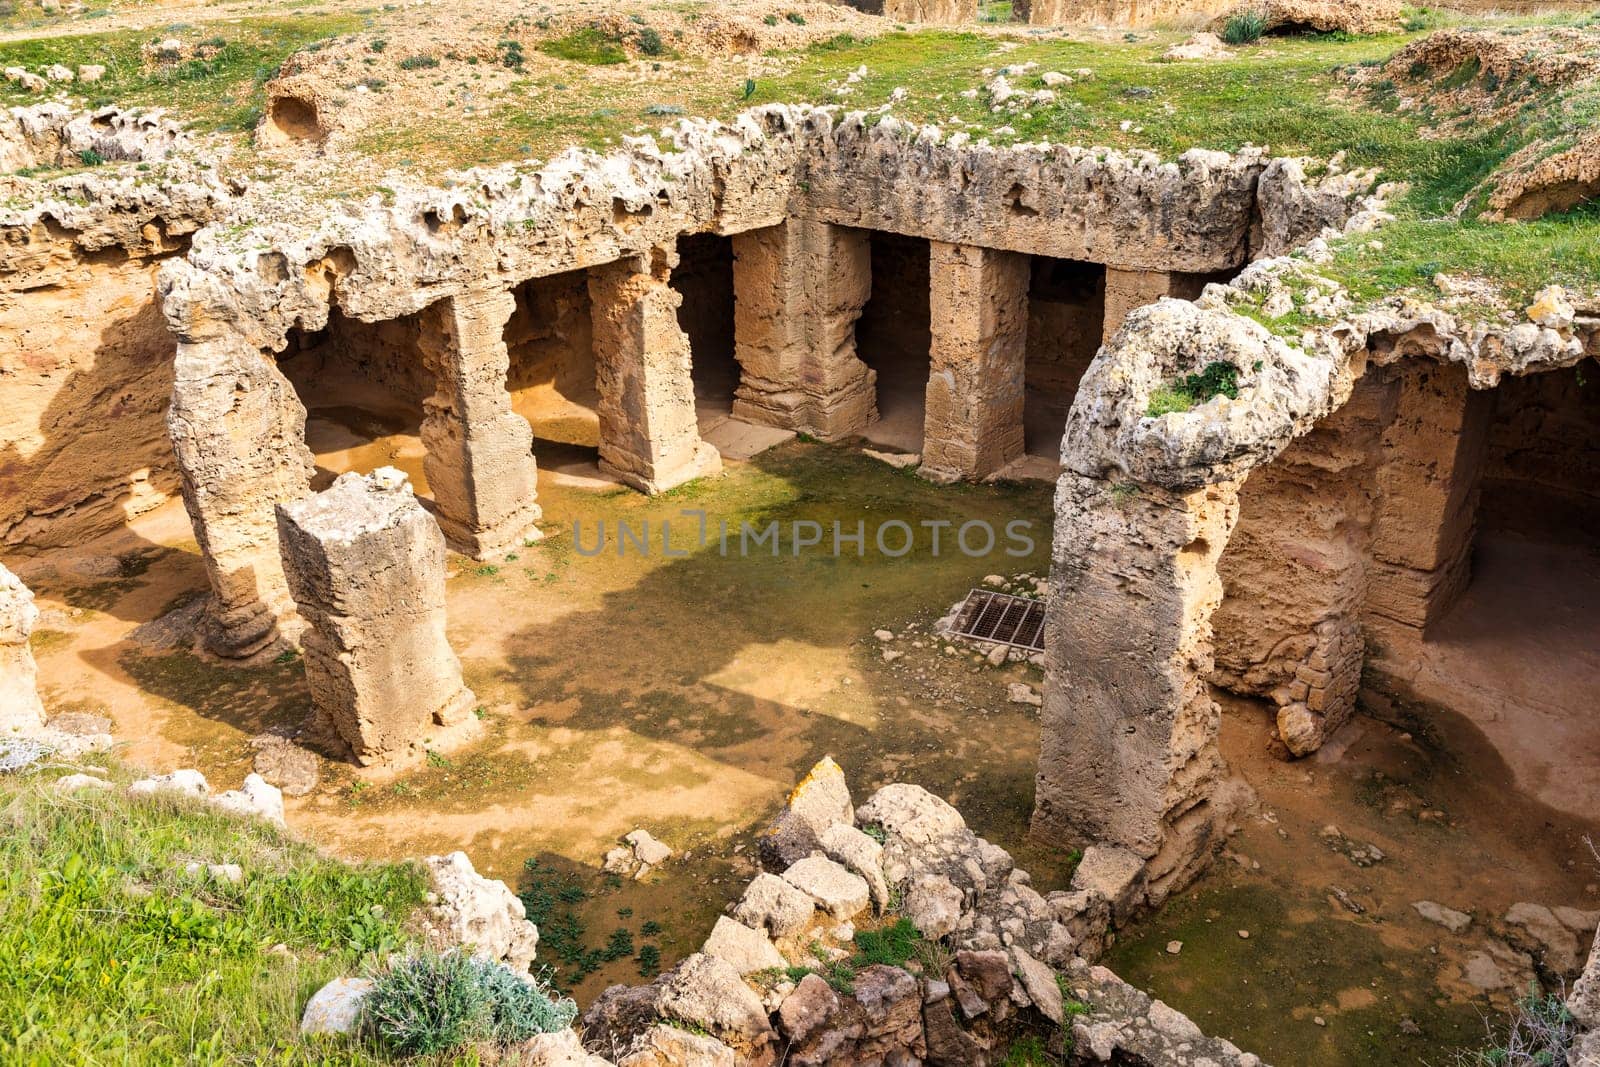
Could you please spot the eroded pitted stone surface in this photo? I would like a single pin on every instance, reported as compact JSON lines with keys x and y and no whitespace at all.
{"x":480,"y":913}
{"x":366,"y":564}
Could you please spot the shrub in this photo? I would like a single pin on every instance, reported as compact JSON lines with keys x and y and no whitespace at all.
{"x":90,"y":158}
{"x":1539,"y":1034}
{"x":1244,"y":27}
{"x":421,"y":62}
{"x":588,"y":45}
{"x":649,"y":42}
{"x":796,"y":18}
{"x":436,"y":1002}
{"x":1215,"y":379}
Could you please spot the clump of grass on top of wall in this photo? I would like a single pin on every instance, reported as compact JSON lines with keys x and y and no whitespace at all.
{"x":111,"y":953}
{"x":1244,"y":27}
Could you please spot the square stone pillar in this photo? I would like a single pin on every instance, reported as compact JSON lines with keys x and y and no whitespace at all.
{"x":649,"y":435}
{"x":799,"y":288}
{"x":479,"y":452}
{"x":979,"y":314}
{"x":20,"y":709}
{"x":239,"y":436}
{"x":1129,"y":289}
{"x":366,"y":565}
{"x":1128,"y":743}
{"x":1428,"y":486}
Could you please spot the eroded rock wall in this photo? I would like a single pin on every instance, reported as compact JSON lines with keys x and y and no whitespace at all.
{"x":85,"y":355}
{"x":934,"y":12}
{"x":1114,"y":12}
{"x":20,"y":709}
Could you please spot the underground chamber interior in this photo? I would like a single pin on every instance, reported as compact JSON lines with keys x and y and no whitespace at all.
{"x":894,"y":339}
{"x":363,"y":386}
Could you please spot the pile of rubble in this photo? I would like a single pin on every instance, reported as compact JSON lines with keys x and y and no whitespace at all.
{"x":892,"y":933}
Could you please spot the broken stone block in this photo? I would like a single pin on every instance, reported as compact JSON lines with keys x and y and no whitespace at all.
{"x":366,"y":566}
{"x":1040,"y":983}
{"x":845,"y":844}
{"x":786,"y":842}
{"x":706,"y":992}
{"x":1559,"y":944}
{"x":836,"y":891}
{"x":773,"y":904}
{"x":912,"y":813}
{"x":743,"y":949}
{"x":185,"y":783}
{"x":670,"y":1046}
{"x":646,"y":849}
{"x":807,"y":1009}
{"x":933,"y":904}
{"x":823,"y":797}
{"x":20,"y":709}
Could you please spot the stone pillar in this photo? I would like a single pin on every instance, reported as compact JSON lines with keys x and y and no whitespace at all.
{"x":366,"y":564}
{"x":649,"y":436}
{"x":1128,"y":745}
{"x":239,"y":435}
{"x":20,"y":709}
{"x":799,"y":288}
{"x":1428,"y":490}
{"x":479,"y":453}
{"x":1129,"y":289}
{"x":979,"y":315}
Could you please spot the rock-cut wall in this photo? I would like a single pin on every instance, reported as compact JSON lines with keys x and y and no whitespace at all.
{"x":85,"y":353}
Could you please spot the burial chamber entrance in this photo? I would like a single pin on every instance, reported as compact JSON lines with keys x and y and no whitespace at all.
{"x":894,"y":337}
{"x":1429,"y":554}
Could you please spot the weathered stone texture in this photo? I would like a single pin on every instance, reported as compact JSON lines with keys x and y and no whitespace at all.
{"x":366,"y":564}
{"x":1128,"y":750}
{"x":979,"y":315}
{"x":933,"y":12}
{"x":799,"y":288}
{"x":85,"y":355}
{"x":649,"y":438}
{"x":479,"y":453}
{"x":20,"y":709}
{"x":238,"y":431}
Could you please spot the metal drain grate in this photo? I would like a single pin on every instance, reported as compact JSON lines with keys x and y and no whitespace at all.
{"x":1001,"y":618}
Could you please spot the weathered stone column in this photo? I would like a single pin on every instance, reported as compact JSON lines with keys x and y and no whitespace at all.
{"x":649,"y":436}
{"x":366,"y":564}
{"x":239,"y":435}
{"x":799,"y":288}
{"x":1128,"y":746}
{"x":1129,"y":289}
{"x":1428,"y":486}
{"x":479,"y":453}
{"x":979,"y":315}
{"x":20,"y":709}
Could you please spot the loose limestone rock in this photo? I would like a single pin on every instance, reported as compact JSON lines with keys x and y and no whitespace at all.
{"x":366,"y":564}
{"x":845,"y":844}
{"x":743,"y":949}
{"x":477,"y":911}
{"x":707,"y":992}
{"x":1449,"y":918}
{"x":185,"y":783}
{"x":840,"y":893}
{"x":255,"y":798}
{"x":336,"y":1007}
{"x":21,"y":711}
{"x":773,"y":904}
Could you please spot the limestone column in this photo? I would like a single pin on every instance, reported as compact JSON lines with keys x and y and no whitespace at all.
{"x":649,"y":436}
{"x":20,"y":709}
{"x":1129,"y":289}
{"x":1428,"y":487}
{"x":1128,"y":745}
{"x":979,"y":315}
{"x":366,"y":564}
{"x":479,"y":452}
{"x":799,"y":288}
{"x":238,"y":433}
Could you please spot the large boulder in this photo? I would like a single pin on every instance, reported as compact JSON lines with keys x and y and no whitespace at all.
{"x":775,"y":905}
{"x":838,"y":892}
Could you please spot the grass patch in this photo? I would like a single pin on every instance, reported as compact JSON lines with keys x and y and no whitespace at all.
{"x":588,"y":45}
{"x":1215,"y":379}
{"x":220,"y":89}
{"x":109,"y":952}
